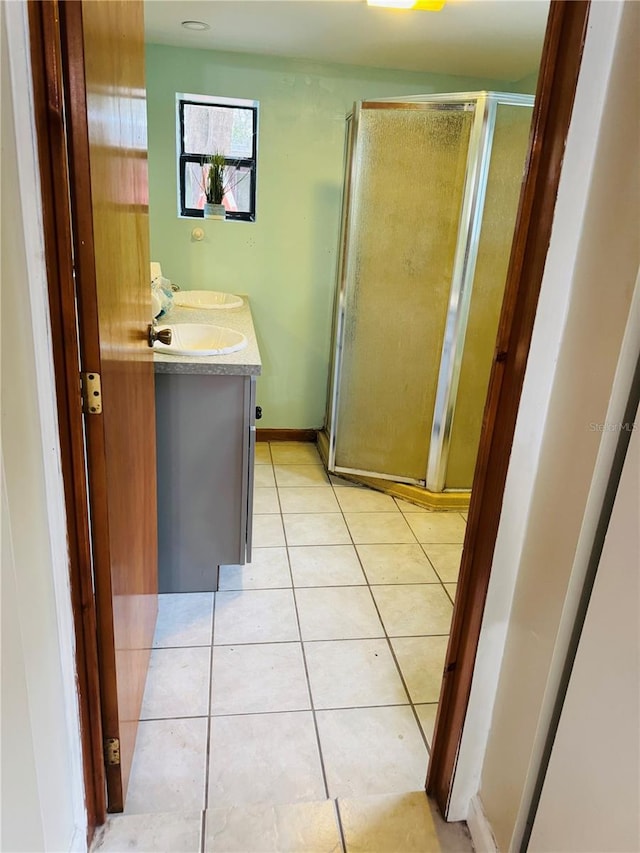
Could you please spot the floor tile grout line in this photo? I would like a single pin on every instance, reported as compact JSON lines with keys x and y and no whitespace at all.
{"x":336,"y":512}
{"x":395,"y":659}
{"x":442,"y":583}
{"x":446,"y":591}
{"x":378,"y":637}
{"x":203,"y":829}
{"x":307,"y":586}
{"x":437,"y":582}
{"x":384,"y":627}
{"x":275,"y":712}
{"x":328,"y":639}
{"x":279,"y":504}
{"x":173,"y":717}
{"x":306,"y":672}
{"x":262,"y":547}
{"x":210,"y":705}
{"x":317,"y":464}
{"x":270,"y":713}
{"x":402,"y":679}
{"x":336,"y":809}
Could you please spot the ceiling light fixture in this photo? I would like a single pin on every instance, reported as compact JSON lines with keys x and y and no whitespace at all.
{"x":199,"y":26}
{"x":418,"y":5}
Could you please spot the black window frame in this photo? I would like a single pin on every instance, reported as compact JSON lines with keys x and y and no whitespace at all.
{"x":239,"y":162}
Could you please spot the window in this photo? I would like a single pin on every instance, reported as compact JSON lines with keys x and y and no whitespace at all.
{"x":210,"y":125}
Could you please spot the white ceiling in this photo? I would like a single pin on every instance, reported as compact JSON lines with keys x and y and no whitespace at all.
{"x":500,"y":39}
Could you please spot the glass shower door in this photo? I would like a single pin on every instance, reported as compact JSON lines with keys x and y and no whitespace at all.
{"x":508,"y":154}
{"x":405,"y":193}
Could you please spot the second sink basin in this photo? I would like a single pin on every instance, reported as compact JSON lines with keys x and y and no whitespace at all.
{"x":206,"y":299}
{"x":197,"y":339}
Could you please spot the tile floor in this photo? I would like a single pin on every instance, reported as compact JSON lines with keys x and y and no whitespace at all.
{"x":293,"y":709}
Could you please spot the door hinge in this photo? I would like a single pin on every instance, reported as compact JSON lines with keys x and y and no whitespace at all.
{"x":91,"y":393}
{"x":112,"y":751}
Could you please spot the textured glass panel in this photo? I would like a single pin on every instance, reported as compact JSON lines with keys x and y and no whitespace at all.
{"x":237,"y":181}
{"x":510,"y":142}
{"x":226,"y":130}
{"x":410,"y":166}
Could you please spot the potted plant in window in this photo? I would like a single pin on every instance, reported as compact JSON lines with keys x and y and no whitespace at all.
{"x":214,"y":187}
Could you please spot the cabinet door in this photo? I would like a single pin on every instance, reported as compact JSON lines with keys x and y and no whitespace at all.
{"x":203,"y":453}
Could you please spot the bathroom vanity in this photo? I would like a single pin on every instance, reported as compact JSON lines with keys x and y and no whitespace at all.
{"x":205,"y":434}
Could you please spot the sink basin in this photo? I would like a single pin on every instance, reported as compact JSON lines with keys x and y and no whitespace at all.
{"x":206,"y":299}
{"x":198,"y":339}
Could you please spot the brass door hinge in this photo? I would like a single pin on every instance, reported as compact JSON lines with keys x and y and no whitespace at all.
{"x":91,"y":393}
{"x":112,"y":751}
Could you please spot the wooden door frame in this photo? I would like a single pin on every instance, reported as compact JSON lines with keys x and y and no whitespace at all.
{"x":46,"y":62}
{"x":560,"y":64}
{"x":557,"y":82}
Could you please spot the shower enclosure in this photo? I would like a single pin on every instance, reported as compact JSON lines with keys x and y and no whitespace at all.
{"x":430,"y":199}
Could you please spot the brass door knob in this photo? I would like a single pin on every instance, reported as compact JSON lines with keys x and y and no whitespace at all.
{"x":162,"y":335}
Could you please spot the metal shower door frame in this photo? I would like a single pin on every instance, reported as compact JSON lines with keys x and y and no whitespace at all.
{"x":345,"y":267}
{"x":485,"y":106}
{"x":337,"y":333}
{"x":464,"y":270}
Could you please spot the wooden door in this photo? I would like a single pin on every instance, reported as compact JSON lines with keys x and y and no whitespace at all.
{"x":103,"y":73}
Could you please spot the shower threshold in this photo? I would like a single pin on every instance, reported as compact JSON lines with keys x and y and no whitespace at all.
{"x":454,"y":500}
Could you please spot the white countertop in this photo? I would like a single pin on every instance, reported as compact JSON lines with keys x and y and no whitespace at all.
{"x":245,"y":362}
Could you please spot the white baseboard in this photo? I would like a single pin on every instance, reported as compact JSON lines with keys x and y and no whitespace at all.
{"x":480,"y":828}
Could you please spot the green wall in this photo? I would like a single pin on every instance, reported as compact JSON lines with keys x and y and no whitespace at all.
{"x":528,"y":84}
{"x":286,"y":260}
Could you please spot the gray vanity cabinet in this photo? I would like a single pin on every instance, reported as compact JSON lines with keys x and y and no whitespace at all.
{"x":205,"y":433}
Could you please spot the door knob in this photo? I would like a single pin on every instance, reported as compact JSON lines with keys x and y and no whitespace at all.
{"x":162,"y":335}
